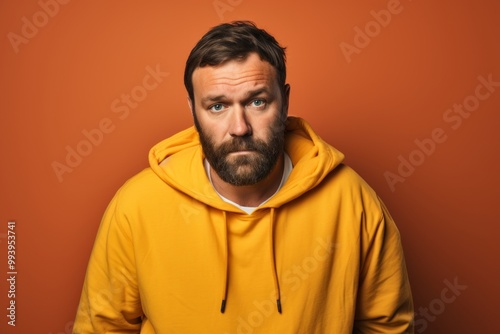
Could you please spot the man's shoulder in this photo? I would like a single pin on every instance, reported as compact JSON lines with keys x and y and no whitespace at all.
{"x":346,"y":176}
{"x":140,"y":179}
{"x":347,"y":183}
{"x":142,"y":185}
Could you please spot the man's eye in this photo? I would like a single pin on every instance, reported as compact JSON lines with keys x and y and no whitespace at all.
{"x":258,"y":103}
{"x":216,"y":107}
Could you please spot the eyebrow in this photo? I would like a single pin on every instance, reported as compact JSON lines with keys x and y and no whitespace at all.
{"x":249,"y":95}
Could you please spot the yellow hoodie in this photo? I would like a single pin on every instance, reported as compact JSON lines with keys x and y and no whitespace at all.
{"x":321,"y":256}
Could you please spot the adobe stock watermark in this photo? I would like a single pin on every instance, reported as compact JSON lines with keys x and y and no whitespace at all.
{"x":121,"y":108}
{"x":453,"y":117}
{"x":222,"y":6}
{"x":437,"y":306}
{"x":294,"y":277}
{"x":31,"y":26}
{"x":373,"y":28}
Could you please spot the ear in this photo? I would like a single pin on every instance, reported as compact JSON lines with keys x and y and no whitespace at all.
{"x":286,"y":100}
{"x":190,"y":104}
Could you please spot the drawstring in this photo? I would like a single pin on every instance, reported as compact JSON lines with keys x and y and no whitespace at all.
{"x":226,"y":265}
{"x":273,"y":262}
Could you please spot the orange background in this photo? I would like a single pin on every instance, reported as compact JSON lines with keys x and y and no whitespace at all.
{"x":372,"y":105}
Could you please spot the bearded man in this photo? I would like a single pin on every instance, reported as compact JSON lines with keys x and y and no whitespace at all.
{"x":247,"y":222}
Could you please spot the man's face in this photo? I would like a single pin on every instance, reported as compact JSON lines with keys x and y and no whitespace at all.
{"x":239,"y":113}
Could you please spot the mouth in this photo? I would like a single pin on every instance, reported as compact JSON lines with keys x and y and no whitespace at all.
{"x":241,"y":152}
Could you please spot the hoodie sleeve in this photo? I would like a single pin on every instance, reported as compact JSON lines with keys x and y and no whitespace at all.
{"x":384,"y":303}
{"x":110,"y":298}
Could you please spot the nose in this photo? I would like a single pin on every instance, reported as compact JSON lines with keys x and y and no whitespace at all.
{"x":239,"y":126}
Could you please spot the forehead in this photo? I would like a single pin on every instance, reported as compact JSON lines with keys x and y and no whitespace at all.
{"x":234,"y":76}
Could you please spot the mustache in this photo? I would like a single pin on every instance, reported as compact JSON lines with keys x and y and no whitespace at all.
{"x":240,"y":144}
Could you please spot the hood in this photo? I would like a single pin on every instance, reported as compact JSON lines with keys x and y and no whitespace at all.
{"x":178,"y":161}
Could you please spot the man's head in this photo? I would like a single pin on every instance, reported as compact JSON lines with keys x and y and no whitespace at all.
{"x":230,"y":41}
{"x":235,"y":78}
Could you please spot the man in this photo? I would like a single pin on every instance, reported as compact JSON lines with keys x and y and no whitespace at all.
{"x":247,"y":222}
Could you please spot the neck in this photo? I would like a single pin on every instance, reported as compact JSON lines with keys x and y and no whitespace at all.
{"x":252,"y":195}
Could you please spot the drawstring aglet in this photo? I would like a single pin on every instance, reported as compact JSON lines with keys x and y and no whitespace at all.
{"x":278,"y":302}
{"x":223,"y":306}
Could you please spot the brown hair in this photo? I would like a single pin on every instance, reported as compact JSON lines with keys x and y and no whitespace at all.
{"x":235,"y":40}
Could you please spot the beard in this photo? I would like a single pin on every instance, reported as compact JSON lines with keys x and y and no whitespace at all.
{"x":249,"y":168}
